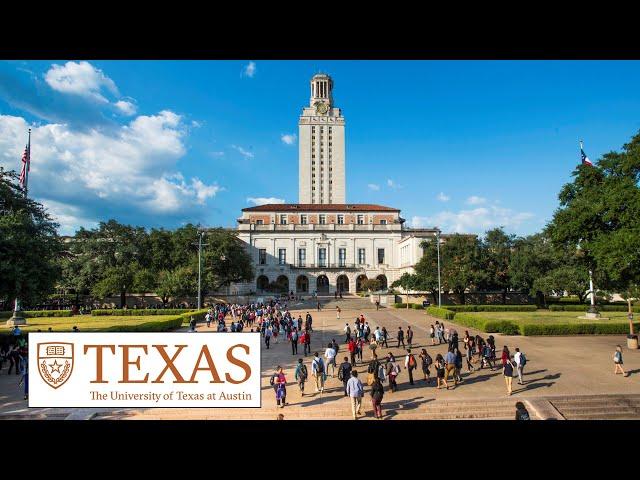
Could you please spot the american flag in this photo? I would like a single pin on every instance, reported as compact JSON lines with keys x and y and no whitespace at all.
{"x":26,"y":166}
{"x":585,"y":159}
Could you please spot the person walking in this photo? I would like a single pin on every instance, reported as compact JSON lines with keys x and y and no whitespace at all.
{"x":351,"y":346}
{"x":360,"y":348}
{"x":373,"y":344}
{"x":330,"y":355}
{"x":440,"y":372}
{"x":267,"y":336}
{"x":293,"y":338}
{"x":377,"y":392}
{"x":393,"y":369}
{"x":347,"y":332}
{"x":385,"y":337}
{"x":506,"y":355}
{"x":458,"y":370}
{"x":425,"y":361}
{"x":432,"y":334}
{"x":409,"y":336}
{"x":344,"y":373}
{"x":450,"y":365}
{"x":207,"y":318}
{"x":338,"y":312}
{"x":301,"y":376}
{"x":307,"y":343}
{"x":469,"y":354}
{"x":373,"y":370}
{"x":400,"y":337}
{"x":617,"y":361}
{"x":507,"y":371}
{"x":281,"y":388}
{"x":521,"y":361}
{"x":355,"y":391}
{"x":410,"y":364}
{"x":318,"y":371}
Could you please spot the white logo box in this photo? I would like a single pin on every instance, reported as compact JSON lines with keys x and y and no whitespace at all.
{"x":211,"y":370}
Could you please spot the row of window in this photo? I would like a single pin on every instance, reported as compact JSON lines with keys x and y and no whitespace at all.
{"x":322,"y":220}
{"x":322,"y":256}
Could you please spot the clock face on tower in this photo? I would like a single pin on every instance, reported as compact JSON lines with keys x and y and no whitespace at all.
{"x":322,"y":108}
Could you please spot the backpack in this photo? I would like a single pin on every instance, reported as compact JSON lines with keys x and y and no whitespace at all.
{"x":319,"y":366}
{"x":428,"y":360}
{"x":396,"y":369}
{"x":303,"y":372}
{"x":412,"y":361}
{"x":523,"y":359}
{"x":271,"y":380}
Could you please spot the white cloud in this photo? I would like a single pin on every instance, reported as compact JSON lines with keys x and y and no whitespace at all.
{"x":92,"y":174}
{"x":264,"y":200}
{"x":443,"y":198}
{"x":242,"y":151}
{"x":477,"y":220}
{"x":80,"y":78}
{"x":216,"y":154}
{"x":289,"y":138}
{"x":475,"y":200}
{"x":249,"y":70}
{"x":373,"y":186}
{"x":392,"y":184}
{"x":126,"y":107}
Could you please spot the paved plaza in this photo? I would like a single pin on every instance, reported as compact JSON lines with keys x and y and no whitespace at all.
{"x":559,"y":370}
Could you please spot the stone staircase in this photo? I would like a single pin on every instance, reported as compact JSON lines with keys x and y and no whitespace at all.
{"x":598,"y":407}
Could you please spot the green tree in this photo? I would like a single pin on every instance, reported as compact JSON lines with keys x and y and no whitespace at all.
{"x":29,"y":245}
{"x":460,"y":264}
{"x":532,"y":258}
{"x":427,"y":269}
{"x":495,"y":251}
{"x":599,"y":213}
{"x":181,"y":282}
{"x":371,"y":285}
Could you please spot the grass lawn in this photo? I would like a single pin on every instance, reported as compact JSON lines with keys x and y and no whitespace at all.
{"x":85,"y":323}
{"x":548,"y":317}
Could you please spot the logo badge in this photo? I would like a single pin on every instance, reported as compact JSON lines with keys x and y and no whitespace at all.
{"x":55,"y":362}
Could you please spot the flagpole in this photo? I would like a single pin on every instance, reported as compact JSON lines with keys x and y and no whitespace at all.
{"x":28,"y":166}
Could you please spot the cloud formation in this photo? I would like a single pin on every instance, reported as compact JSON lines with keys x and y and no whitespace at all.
{"x":476,"y":220}
{"x":392,"y":184}
{"x":289,"y":138}
{"x":475,"y":200}
{"x":80,"y":78}
{"x":373,"y":186}
{"x":242,"y":151}
{"x":249,"y":70}
{"x":264,"y":200}
{"x":443,"y":198}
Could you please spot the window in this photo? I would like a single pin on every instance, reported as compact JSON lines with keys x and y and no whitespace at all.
{"x":323,"y":219}
{"x":302,"y":257}
{"x":260,"y":222}
{"x":360,"y":219}
{"x":322,"y":257}
{"x":383,"y":222}
{"x":303,"y":218}
{"x":342,"y":257}
{"x":283,"y":219}
{"x":262,"y":256}
{"x":282,"y":256}
{"x":340,"y":217}
{"x":361,"y":256}
{"x":380,"y":255}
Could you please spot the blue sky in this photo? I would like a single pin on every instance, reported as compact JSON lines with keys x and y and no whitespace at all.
{"x":465,"y":145}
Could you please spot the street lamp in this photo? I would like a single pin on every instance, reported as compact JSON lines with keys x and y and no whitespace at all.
{"x":200,"y":244}
{"x":438,"y":249}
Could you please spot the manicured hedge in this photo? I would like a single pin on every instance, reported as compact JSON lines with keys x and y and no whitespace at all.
{"x":584,"y":308}
{"x":492,"y":308}
{"x":487,"y":325}
{"x":198,"y":314}
{"x":38,"y":313}
{"x":152,"y":326}
{"x":400,"y":305}
{"x":577,"y":328}
{"x":441,"y":313}
{"x":139,"y":312}
{"x":417,"y":306}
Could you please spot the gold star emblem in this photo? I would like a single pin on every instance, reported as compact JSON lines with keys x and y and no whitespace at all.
{"x":55,"y":366}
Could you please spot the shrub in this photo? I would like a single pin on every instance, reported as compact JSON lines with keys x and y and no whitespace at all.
{"x":198,"y":314}
{"x":152,"y":326}
{"x":441,"y":313}
{"x":400,"y":305}
{"x":584,"y":308}
{"x":139,"y":312}
{"x":530,"y":329}
{"x":38,"y":313}
{"x":492,"y":308}
{"x":487,"y":325}
{"x":417,"y":306}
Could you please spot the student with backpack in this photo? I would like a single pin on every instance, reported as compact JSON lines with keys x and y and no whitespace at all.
{"x":393,"y":369}
{"x":281,"y":388}
{"x":410,"y":364}
{"x":373,"y":370}
{"x":426,"y":362}
{"x":318,"y":371}
{"x":301,"y":376}
{"x":521,"y":361}
{"x":347,"y":332}
{"x":351,"y":346}
{"x":344,"y":373}
{"x":377,"y":392}
{"x":385,"y":337}
{"x":293,"y":338}
{"x":400,"y":337}
{"x":409,"y":336}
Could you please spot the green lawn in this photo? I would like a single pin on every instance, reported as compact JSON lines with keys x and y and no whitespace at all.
{"x":548,"y":317}
{"x":86,"y":323}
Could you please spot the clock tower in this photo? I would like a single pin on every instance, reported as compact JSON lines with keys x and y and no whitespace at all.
{"x":322,"y":152}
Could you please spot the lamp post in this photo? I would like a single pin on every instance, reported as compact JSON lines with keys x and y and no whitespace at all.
{"x":438,"y":249}
{"x":200,"y":244}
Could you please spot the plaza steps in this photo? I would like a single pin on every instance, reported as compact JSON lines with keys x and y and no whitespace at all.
{"x":598,"y":407}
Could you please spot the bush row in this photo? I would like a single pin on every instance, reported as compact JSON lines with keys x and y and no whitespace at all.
{"x":152,"y":326}
{"x":577,"y":329}
{"x":197,"y":314}
{"x":38,"y":313}
{"x":492,"y":308}
{"x":441,"y":313}
{"x":487,"y":325}
{"x":139,"y":312}
{"x":584,"y":308}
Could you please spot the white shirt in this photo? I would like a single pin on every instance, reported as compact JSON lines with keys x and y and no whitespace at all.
{"x":516,"y":357}
{"x":329,"y":353}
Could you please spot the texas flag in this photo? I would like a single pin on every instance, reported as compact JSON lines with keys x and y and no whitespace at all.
{"x":585,"y":159}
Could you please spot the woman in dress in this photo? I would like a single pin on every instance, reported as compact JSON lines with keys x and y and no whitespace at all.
{"x":377,"y":392}
{"x":432,"y":334}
